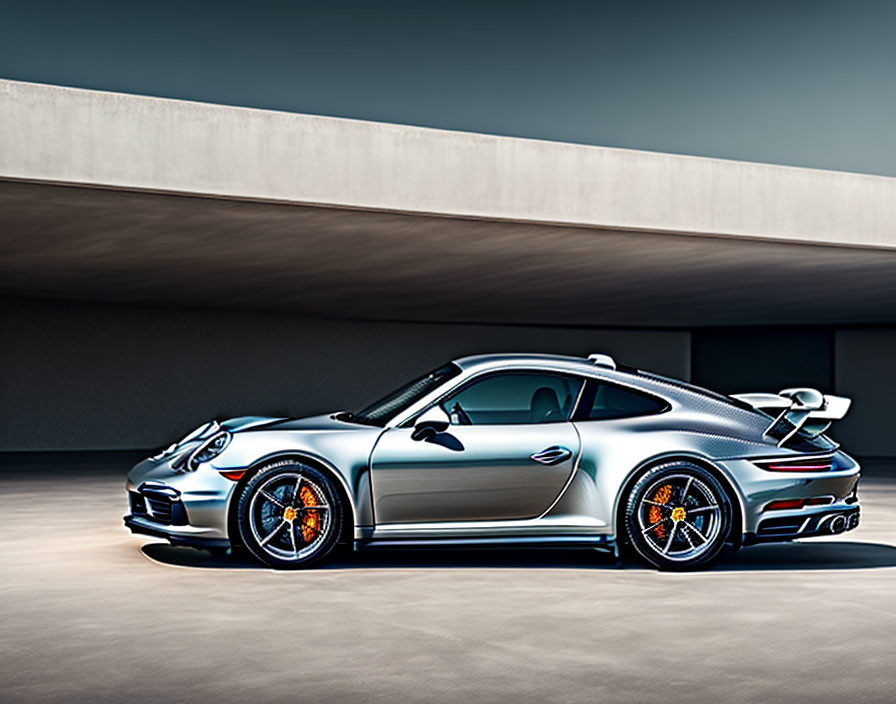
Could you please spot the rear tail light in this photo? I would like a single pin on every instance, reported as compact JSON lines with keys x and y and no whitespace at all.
{"x":785,"y":504}
{"x":798,"y":465}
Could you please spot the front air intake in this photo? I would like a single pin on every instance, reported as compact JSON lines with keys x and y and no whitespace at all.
{"x":158,"y":503}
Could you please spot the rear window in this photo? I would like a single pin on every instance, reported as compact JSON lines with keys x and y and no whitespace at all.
{"x":695,"y":389}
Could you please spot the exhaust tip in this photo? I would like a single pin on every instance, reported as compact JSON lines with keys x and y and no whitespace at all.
{"x":837,"y":524}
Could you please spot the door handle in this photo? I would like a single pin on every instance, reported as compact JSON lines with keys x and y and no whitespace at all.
{"x":551,"y":455}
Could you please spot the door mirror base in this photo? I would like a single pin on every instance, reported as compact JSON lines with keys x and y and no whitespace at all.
{"x":430,"y":423}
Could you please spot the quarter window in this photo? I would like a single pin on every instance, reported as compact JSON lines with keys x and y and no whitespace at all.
{"x":606,"y":401}
{"x":514,"y":398}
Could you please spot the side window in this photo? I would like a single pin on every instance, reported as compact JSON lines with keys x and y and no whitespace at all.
{"x":606,"y":401}
{"x":511,"y":398}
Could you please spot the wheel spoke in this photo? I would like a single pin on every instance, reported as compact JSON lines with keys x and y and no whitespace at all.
{"x":273,"y":499}
{"x":273,"y":532}
{"x":687,"y":534}
{"x":694,"y":528}
{"x":296,"y":497}
{"x":654,"y":503}
{"x":292,"y":538}
{"x":671,"y":538}
{"x":701,"y":509}
{"x":651,"y":527}
{"x":315,"y":507}
{"x":687,"y":487}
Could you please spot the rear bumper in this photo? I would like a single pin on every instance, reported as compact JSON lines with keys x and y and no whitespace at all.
{"x":759,"y":488}
{"x":833,"y":521}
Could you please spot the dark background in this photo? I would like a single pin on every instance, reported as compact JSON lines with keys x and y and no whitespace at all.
{"x":102,"y":376}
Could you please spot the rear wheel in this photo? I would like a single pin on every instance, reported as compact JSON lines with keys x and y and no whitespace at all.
{"x":678,"y":516}
{"x":289,"y":515}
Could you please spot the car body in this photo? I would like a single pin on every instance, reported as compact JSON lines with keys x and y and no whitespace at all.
{"x":511,"y":449}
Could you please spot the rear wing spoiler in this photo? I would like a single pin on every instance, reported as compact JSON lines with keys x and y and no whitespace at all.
{"x":793,"y":410}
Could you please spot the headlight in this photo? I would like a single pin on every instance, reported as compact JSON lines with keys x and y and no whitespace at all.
{"x":200,"y":432}
{"x":203,"y":431}
{"x":210,"y":449}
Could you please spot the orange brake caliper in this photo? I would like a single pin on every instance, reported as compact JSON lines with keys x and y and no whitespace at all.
{"x":656,"y":513}
{"x":310,"y":519}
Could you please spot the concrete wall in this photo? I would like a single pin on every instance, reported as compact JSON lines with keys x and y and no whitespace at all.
{"x":79,"y":376}
{"x":853,"y":362}
{"x":102,"y":376}
{"x":498,"y":240}
{"x":91,"y":137}
{"x":865,"y":370}
{"x":735,"y":360}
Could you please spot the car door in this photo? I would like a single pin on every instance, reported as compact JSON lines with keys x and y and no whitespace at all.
{"x":507,"y":454}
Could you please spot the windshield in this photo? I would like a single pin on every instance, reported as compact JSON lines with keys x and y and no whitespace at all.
{"x":386,"y":408}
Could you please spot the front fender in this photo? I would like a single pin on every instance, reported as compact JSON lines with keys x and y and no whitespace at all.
{"x":344,"y":454}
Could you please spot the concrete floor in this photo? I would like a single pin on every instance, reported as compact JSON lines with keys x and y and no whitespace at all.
{"x":90,"y":613}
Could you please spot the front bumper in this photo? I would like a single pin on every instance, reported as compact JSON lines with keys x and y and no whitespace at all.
{"x":142,"y":526}
{"x":186,"y":508}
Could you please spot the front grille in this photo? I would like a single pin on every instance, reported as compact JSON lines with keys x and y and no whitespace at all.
{"x":138,"y":504}
{"x":159,"y":505}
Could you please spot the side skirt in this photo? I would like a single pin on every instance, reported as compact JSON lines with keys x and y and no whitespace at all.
{"x":600,"y":542}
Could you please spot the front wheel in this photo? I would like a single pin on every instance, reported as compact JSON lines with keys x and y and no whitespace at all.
{"x":678,"y":516}
{"x":289,"y":515}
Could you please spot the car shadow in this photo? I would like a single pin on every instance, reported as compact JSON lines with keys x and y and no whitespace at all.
{"x":813,"y":555}
{"x":808,"y":555}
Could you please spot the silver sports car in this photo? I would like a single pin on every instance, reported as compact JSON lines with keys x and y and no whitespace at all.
{"x":500,"y":450}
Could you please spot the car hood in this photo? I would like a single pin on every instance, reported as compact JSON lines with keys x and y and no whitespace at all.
{"x":321,"y":422}
{"x":235,"y":425}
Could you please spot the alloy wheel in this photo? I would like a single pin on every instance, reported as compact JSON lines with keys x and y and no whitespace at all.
{"x":680,"y":517}
{"x":289,"y":516}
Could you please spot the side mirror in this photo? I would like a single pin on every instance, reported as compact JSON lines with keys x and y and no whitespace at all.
{"x":430,"y":423}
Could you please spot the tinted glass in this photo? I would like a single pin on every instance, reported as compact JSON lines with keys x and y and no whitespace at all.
{"x":616,"y":402}
{"x":386,"y":408}
{"x":511,"y":398}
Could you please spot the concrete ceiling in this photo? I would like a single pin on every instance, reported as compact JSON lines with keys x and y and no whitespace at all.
{"x":118,"y":245}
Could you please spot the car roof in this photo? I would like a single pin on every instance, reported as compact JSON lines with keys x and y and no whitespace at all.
{"x":603,"y":368}
{"x":511,"y":359}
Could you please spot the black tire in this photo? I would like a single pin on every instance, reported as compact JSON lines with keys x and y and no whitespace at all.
{"x":678,"y":516}
{"x":289,"y":515}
